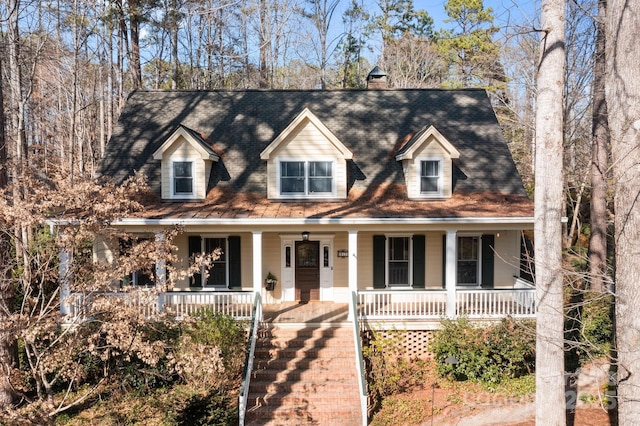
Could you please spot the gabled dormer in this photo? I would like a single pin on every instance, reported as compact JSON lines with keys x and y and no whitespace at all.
{"x":306,"y":161}
{"x":427,"y":164}
{"x":186,"y":165}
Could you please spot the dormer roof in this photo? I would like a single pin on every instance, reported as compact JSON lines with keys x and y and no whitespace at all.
{"x":424,"y":137}
{"x":193,"y":138}
{"x":306,"y":116}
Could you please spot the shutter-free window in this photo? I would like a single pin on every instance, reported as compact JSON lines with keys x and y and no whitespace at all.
{"x":430,"y":177}
{"x":183,"y":177}
{"x":320,"y":177}
{"x":292,"y":177}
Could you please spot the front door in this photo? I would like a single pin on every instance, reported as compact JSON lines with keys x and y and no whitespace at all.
{"x":307,"y":270}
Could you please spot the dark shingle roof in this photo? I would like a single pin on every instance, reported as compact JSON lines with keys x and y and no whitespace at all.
{"x":373,"y":124}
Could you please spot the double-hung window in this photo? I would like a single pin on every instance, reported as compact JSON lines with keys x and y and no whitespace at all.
{"x":398,"y":266}
{"x":468,"y":260}
{"x":306,"y":178}
{"x":217,"y":273}
{"x":183,"y":178}
{"x":430,"y":177}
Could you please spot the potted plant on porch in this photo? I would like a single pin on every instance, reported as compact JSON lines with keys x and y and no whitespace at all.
{"x":270,"y":281}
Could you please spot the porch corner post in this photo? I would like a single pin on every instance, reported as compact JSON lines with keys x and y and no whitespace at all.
{"x":353,"y":267}
{"x":451,"y":273}
{"x":64,"y":270}
{"x":257,"y":263}
{"x":161,"y":271}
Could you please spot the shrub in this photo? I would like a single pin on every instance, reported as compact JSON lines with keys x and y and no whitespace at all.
{"x":489,"y":354}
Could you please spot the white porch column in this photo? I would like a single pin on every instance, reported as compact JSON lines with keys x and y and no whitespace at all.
{"x":257,"y":262}
{"x":64,"y":270}
{"x":353,"y":266}
{"x":161,"y":271}
{"x":450,"y":273}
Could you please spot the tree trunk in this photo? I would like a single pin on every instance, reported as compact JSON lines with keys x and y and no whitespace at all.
{"x":623,"y":102}
{"x":550,"y":385}
{"x":7,"y":352}
{"x":600,"y":162}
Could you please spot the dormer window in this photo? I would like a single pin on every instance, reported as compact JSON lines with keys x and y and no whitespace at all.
{"x":306,"y":178}
{"x":427,"y":162}
{"x":431,"y":177}
{"x":186,"y":160}
{"x":182,"y":178}
{"x":306,"y":161}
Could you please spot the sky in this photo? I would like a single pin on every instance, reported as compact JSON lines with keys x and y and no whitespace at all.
{"x":505,"y":11}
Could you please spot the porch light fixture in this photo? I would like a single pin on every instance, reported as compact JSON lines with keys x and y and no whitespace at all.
{"x":305,"y":236}
{"x":343,"y":253}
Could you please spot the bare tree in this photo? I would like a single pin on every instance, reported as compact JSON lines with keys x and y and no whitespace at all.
{"x":623,"y":102}
{"x":600,"y":161}
{"x":550,"y":396}
{"x":7,"y":353}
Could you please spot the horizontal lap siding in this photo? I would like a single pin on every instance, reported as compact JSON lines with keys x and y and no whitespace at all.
{"x":307,"y":143}
{"x":412,"y":169}
{"x":179,"y":151}
{"x":340,"y":264}
{"x":434,"y":260}
{"x":507,"y":259}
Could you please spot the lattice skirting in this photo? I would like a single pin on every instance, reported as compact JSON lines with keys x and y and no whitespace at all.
{"x":414,"y":343}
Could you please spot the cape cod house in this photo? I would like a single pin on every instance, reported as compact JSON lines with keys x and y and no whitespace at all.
{"x":404,"y":204}
{"x":398,"y":196}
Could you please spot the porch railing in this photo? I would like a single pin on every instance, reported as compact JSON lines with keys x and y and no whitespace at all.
{"x":360,"y":368}
{"x":149,"y":302}
{"x":238,"y":304}
{"x":248,"y":362}
{"x":496,"y":303}
{"x":401,"y":304}
{"x":432,"y":304}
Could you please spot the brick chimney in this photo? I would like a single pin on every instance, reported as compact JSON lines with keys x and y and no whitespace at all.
{"x":377,"y":79}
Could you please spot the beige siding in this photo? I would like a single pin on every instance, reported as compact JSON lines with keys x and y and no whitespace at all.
{"x":271,"y":260}
{"x":434,"y":260}
{"x":307,"y":143}
{"x":340,"y":264}
{"x":365,"y":260}
{"x":412,"y":169}
{"x":507,"y":259}
{"x":181,"y":150}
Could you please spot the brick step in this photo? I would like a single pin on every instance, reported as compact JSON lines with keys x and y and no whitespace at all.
{"x":294,"y":375}
{"x":313,"y":353}
{"x":283,"y":342}
{"x":311,"y":400}
{"x":332,"y":388}
{"x":306,"y":332}
{"x":291,"y":364}
{"x":287,"y":417}
{"x":304,"y":376}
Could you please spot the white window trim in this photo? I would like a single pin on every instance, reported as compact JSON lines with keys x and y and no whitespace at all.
{"x":306,"y":194}
{"x":418,"y":166}
{"x":388,"y":237}
{"x":225,"y":249}
{"x":196,"y":184}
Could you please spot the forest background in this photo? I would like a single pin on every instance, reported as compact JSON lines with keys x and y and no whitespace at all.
{"x":67,"y":68}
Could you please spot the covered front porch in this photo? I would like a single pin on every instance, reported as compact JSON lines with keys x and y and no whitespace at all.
{"x":406,"y":309}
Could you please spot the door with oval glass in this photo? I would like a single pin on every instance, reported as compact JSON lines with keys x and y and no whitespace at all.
{"x":307,"y":270}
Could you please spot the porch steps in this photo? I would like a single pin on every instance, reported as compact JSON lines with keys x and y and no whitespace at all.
{"x":304,"y":375}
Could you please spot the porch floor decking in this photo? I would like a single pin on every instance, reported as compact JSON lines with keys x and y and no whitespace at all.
{"x":313,"y":312}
